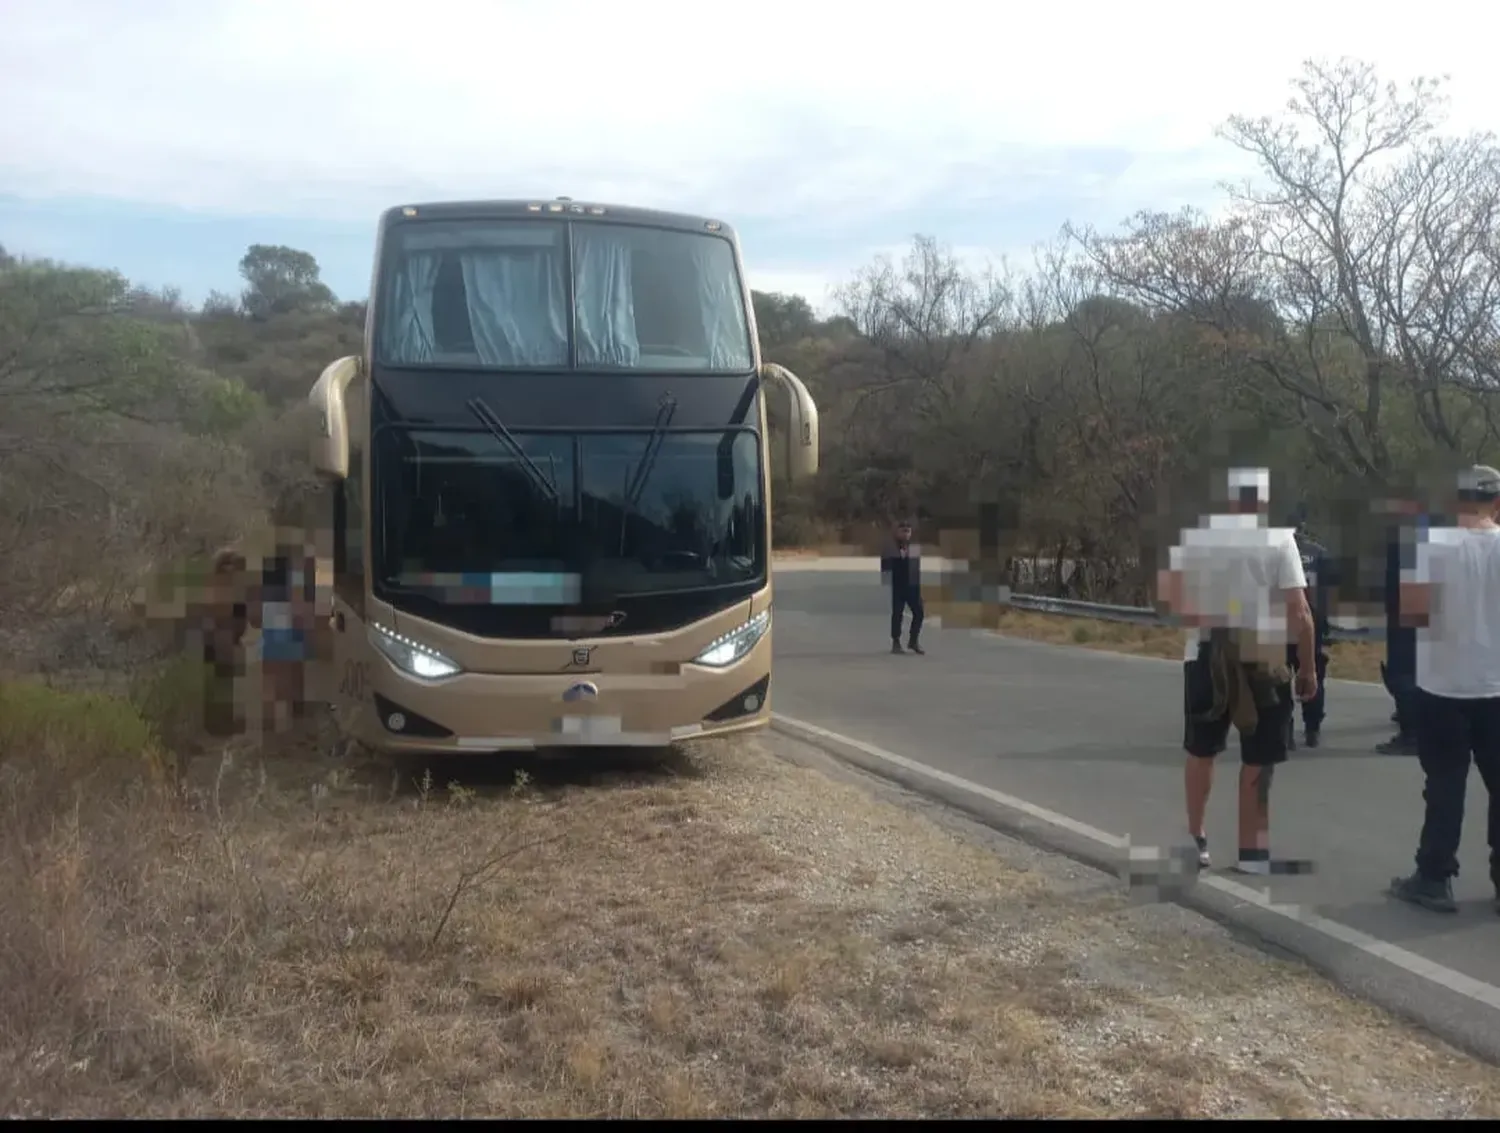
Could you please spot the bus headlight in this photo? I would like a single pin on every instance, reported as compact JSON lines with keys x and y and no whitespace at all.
{"x":730,"y":647}
{"x":409,"y":657}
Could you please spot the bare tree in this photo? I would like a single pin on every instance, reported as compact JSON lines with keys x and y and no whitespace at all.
{"x":1358,"y":266}
{"x":924,"y":320}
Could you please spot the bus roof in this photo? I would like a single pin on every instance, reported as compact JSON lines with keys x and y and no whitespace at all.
{"x":559,"y":208}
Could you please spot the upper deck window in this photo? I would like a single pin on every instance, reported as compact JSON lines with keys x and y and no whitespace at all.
{"x":495,"y":294}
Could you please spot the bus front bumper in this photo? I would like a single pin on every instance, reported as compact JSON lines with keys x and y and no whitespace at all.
{"x":483,"y":713}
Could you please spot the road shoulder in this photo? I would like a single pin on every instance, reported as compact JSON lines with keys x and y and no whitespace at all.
{"x":1171,"y":997}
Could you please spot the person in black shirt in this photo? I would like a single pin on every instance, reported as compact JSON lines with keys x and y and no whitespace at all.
{"x":901,"y":570}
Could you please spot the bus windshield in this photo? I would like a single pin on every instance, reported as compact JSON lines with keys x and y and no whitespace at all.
{"x":494,"y":294}
{"x":462,"y":519}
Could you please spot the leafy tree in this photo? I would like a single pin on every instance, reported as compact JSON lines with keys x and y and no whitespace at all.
{"x":782,"y":320}
{"x":281,"y":280}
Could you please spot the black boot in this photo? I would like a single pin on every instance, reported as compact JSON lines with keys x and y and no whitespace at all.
{"x":913,"y":647}
{"x":1426,"y":892}
{"x":1311,"y":737}
{"x":895,"y":645}
{"x":1398,"y":745}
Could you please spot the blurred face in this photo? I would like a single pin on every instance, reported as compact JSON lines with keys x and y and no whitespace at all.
{"x":1249,"y":491}
{"x":903,"y":533}
{"x":1476,"y":510}
{"x":1247,"y":501}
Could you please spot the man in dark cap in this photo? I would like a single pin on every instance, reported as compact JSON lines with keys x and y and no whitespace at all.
{"x":1317,"y":565}
{"x":901,"y":570}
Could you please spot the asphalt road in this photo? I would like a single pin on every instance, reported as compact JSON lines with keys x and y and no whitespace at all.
{"x":1096,"y":737}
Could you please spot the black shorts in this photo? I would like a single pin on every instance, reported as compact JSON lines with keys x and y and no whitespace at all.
{"x":1266,"y":746}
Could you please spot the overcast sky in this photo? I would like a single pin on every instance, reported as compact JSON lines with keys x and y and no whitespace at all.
{"x":162,"y":137}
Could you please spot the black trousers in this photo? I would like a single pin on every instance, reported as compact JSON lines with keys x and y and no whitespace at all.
{"x":1400,"y":675}
{"x":1315,"y":709}
{"x":1451,"y":733}
{"x":902,"y":599}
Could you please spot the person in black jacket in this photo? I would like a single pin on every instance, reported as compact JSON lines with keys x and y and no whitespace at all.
{"x":901,"y":570}
{"x":1317,"y":564}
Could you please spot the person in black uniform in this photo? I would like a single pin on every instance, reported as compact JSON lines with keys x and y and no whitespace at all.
{"x":1317,"y":564}
{"x":1399,"y":672}
{"x":901,"y":570}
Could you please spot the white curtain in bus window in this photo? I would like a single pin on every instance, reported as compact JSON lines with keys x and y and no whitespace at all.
{"x":409,"y":332}
{"x":517,"y":307}
{"x":657,"y":300}
{"x":721,"y":305}
{"x":604,"y":290}
{"x":487,"y":293}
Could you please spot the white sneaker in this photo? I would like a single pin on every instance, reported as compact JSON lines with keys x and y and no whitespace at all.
{"x":1202,"y":843}
{"x":1260,"y":867}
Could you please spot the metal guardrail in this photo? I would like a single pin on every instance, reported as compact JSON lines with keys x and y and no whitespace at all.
{"x":959,"y":584}
{"x":1142,"y":615}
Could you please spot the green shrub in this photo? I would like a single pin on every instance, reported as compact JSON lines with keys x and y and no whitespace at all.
{"x":36,"y":718}
{"x":67,"y":754}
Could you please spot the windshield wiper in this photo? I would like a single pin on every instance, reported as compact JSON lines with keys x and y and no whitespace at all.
{"x":490,"y":421}
{"x":637,"y":483}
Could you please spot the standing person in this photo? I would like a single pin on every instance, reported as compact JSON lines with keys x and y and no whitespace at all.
{"x":901,"y":570}
{"x":1240,"y":588}
{"x":1317,"y":566}
{"x":282,"y":612}
{"x":1451,"y":594}
{"x":1399,"y":670}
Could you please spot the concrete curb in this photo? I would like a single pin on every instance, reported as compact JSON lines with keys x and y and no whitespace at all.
{"x":1456,"y":1008}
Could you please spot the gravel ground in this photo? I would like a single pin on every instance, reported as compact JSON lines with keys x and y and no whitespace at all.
{"x":1161,"y":1010}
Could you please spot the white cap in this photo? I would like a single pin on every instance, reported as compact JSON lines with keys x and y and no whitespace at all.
{"x":1257,"y":478}
{"x":1481,"y":479}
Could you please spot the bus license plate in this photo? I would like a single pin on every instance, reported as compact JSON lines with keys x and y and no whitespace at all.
{"x":589,"y":727}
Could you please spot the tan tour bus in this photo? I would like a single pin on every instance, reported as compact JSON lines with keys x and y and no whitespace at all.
{"x":551,"y":482}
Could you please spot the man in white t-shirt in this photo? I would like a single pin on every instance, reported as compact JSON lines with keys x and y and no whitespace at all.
{"x":1240,"y":586}
{"x":1452,"y":596}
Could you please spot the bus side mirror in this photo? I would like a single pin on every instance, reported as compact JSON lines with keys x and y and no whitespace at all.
{"x":330,"y":446}
{"x":800,"y":459}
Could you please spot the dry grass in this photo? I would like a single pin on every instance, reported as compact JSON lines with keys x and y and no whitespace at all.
{"x":1353,"y":661}
{"x":701,"y":933}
